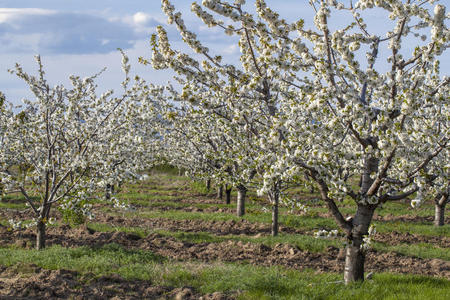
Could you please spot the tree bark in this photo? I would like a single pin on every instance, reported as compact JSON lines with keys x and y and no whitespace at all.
{"x":220,"y":192}
{"x":228,"y":194}
{"x":370,"y":166}
{"x":354,"y":254}
{"x":108,"y":191}
{"x":274,"y":197}
{"x":242,"y":191}
{"x":439,"y":209}
{"x":40,"y":235}
{"x":439,"y":215}
{"x":208,"y":185}
{"x":354,"y":264}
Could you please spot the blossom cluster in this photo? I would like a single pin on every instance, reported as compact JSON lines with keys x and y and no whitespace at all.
{"x":324,"y":234}
{"x":367,"y":239}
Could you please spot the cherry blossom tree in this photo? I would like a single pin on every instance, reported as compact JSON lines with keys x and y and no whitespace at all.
{"x":250,"y":95}
{"x":208,"y":146}
{"x":359,"y":119}
{"x":337,"y":104}
{"x":60,"y":146}
{"x":434,"y":184}
{"x":5,"y":113}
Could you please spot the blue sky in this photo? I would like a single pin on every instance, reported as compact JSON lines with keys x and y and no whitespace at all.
{"x":80,"y":37}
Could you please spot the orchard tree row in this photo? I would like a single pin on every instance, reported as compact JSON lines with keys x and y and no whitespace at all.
{"x":327,"y":104}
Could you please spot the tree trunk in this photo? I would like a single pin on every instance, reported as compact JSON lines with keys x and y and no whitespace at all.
{"x":220,"y":192}
{"x":354,"y":264}
{"x":109,"y":190}
{"x":40,"y":235}
{"x":354,"y":254}
{"x":370,"y":166}
{"x":208,"y":184}
{"x":274,"y":197}
{"x":439,"y":214}
{"x":228,"y":194}
{"x":439,"y":211}
{"x":242,"y":190}
{"x":275,"y":226}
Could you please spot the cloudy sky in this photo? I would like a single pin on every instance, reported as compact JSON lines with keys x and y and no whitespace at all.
{"x":81,"y":37}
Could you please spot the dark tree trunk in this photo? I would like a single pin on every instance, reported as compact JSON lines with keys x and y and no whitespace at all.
{"x":242,"y":191}
{"x":109,"y":190}
{"x":40,"y":235}
{"x":208,"y":184}
{"x":220,"y":192}
{"x":228,"y":194}
{"x":354,"y":254}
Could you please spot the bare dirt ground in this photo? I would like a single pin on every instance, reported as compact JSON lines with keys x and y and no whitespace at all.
{"x":232,"y":251}
{"x":38,"y":283}
{"x":392,"y":218}
{"x":248,"y":228}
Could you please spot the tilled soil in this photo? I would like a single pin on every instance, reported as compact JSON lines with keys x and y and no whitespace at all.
{"x":249,"y":228}
{"x":232,"y":251}
{"x":65,"y":284}
{"x":231,"y":227}
{"x":211,"y":209}
{"x":392,"y":218}
{"x":196,"y":225}
{"x":397,"y":238}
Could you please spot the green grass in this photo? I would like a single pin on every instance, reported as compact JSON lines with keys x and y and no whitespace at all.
{"x":105,"y":260}
{"x":285,"y":285}
{"x":147,"y":197}
{"x":421,"y":250}
{"x":9,"y":205}
{"x":102,"y":227}
{"x":253,"y":282}
{"x":408,"y":227}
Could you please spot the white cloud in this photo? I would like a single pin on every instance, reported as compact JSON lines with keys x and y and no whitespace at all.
{"x":10,"y":14}
{"x":31,"y":30}
{"x":141,"y":18}
{"x":141,"y":22}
